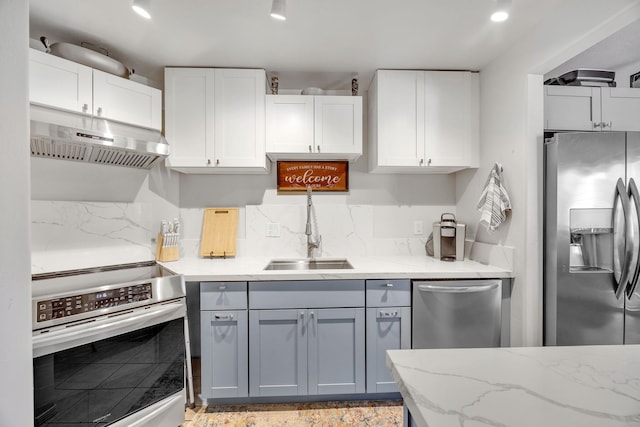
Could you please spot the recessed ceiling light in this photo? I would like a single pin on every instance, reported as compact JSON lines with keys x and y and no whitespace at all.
{"x":141,"y":7}
{"x":501,"y":12}
{"x":279,"y":10}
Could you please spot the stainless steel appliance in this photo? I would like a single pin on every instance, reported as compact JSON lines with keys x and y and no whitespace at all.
{"x":64,"y":135}
{"x":109,"y":347}
{"x":591,"y":251}
{"x":457,"y":313}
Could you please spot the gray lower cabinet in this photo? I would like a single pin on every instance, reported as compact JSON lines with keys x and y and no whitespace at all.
{"x":306,"y":351}
{"x":278,"y":360}
{"x":224,"y":335}
{"x":315,"y":350}
{"x":388,"y":328}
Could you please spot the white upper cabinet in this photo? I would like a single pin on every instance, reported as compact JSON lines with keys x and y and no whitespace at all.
{"x":126,"y":101}
{"x":423,"y":121}
{"x":314,"y":127}
{"x":62,"y":84}
{"x":583,"y":108}
{"x":56,"y":82}
{"x":215,"y":120}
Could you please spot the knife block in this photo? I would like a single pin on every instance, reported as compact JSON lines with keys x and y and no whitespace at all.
{"x":167,"y":253}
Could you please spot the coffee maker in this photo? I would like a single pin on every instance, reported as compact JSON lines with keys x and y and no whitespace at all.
{"x":448,"y":238}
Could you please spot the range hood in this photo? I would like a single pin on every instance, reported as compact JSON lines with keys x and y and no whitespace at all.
{"x":65,"y":135}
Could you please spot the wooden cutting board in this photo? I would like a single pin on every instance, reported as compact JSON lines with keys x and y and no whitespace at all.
{"x":219,"y":232}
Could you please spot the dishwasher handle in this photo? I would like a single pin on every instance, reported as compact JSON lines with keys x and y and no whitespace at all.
{"x":458,"y":289}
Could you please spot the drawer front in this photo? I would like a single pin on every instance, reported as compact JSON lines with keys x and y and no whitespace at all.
{"x":306,"y":294}
{"x":223,"y":295}
{"x":389,"y":293}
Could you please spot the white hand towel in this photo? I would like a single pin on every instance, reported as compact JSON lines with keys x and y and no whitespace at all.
{"x":494,"y":201}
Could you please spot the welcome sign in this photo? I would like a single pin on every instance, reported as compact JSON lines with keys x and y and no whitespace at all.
{"x":320,"y":175}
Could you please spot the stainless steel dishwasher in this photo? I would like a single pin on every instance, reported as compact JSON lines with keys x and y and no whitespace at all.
{"x":456,"y":313}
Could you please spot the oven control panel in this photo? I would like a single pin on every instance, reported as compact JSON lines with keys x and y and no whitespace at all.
{"x":84,"y":303}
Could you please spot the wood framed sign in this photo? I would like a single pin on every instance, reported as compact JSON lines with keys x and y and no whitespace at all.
{"x":320,"y":175}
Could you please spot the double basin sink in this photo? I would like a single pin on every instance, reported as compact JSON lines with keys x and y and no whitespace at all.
{"x":309,"y":264}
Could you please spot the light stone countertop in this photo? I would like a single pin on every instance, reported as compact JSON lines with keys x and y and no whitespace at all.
{"x":382,"y":267}
{"x":585,"y":386}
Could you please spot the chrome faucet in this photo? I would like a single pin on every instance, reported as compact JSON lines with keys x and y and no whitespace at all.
{"x":311,"y":244}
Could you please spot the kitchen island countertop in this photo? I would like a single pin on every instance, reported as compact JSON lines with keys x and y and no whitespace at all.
{"x":520,"y":387}
{"x":382,"y":267}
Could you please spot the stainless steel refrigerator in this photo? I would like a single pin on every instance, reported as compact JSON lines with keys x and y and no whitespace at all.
{"x":591,"y":238}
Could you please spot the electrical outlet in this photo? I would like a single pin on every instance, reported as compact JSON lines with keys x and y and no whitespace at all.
{"x":417,"y":227}
{"x":273,"y":229}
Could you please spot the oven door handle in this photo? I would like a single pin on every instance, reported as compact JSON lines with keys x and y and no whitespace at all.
{"x":74,"y":335}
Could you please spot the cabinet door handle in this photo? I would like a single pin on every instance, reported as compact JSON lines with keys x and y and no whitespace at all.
{"x":310,"y":149}
{"x":99,"y":111}
{"x":311,"y":314}
{"x":318,"y":148}
{"x":85,"y":108}
{"x":388,"y":285}
{"x":421,"y":162}
{"x":429,"y":162}
{"x":224,"y":316}
{"x":302,"y":314}
{"x":606,"y":125}
{"x":208,"y":162}
{"x":596,"y":125}
{"x":222,"y":287}
{"x":388,"y":314}
{"x":217,"y":162}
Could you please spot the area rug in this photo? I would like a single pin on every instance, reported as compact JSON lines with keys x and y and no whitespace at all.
{"x":378,"y":413}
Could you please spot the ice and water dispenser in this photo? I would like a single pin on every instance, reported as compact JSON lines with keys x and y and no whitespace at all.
{"x":591,"y":246}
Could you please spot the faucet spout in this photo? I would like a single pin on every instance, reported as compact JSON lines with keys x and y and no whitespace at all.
{"x":311,"y":243}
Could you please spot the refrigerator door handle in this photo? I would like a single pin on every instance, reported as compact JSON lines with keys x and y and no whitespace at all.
{"x":621,"y":193}
{"x":635,"y":196}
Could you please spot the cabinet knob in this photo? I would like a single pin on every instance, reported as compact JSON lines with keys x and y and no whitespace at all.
{"x":421,"y":162}
{"x":596,"y":125}
{"x":222,"y":287}
{"x":606,"y":125}
{"x":310,"y":149}
{"x":302,"y":314}
{"x":388,"y":314}
{"x":429,"y":162}
{"x":318,"y":148}
{"x":208,"y":162}
{"x":217,"y":162}
{"x":99,"y":111}
{"x":311,"y":314}
{"x":389,"y":285}
{"x":85,"y":108}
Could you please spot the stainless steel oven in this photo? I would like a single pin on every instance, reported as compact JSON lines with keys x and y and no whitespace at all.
{"x":109,"y":347}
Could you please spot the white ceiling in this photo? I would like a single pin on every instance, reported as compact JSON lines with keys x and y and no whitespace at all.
{"x":321,"y":44}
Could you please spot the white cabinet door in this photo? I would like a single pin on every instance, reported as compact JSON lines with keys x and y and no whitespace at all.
{"x":399,"y":116}
{"x":239,"y":128}
{"x":189,"y":109}
{"x":451,"y":129}
{"x":126,"y":101}
{"x":572,"y":108}
{"x":338,"y":124}
{"x":58,"y":83}
{"x":620,"y":109}
{"x":290,"y":123}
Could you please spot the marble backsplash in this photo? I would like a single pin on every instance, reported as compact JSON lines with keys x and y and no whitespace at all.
{"x":356,"y":230}
{"x":71,"y":235}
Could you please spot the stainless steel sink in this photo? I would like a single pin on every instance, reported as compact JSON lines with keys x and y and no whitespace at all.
{"x":309,"y":264}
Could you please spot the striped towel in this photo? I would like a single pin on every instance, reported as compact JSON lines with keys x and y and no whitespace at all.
{"x":494,"y":201}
